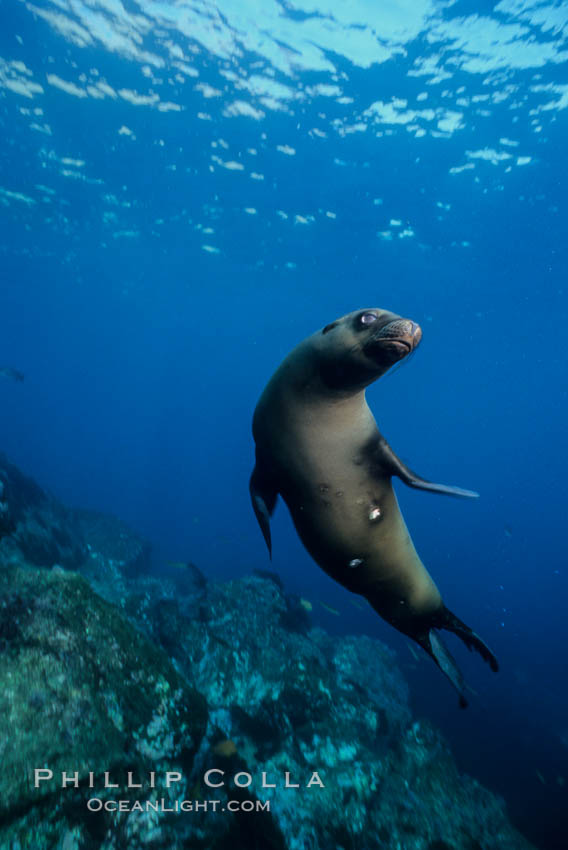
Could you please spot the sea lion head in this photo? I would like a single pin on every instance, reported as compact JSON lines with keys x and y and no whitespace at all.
{"x":358,"y":348}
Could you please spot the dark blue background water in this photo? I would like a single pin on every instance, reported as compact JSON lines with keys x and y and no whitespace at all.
{"x":144,"y":354}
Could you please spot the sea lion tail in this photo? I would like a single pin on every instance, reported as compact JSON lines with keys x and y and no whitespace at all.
{"x":451,"y":623}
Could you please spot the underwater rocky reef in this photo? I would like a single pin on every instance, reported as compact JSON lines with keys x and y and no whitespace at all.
{"x":129,"y":683}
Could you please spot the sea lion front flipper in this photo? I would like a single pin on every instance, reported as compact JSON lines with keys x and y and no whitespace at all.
{"x":263,"y":495}
{"x":394,"y":466}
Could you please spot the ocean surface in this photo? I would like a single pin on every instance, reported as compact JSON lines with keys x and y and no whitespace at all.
{"x":190,"y":188}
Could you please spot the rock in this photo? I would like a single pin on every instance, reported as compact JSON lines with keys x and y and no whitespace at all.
{"x":297,"y":702}
{"x":115,"y":550}
{"x":34,"y":527}
{"x":37,"y":529}
{"x":82,"y":690}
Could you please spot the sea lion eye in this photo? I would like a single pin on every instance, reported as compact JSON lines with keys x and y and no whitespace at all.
{"x":368,"y":318}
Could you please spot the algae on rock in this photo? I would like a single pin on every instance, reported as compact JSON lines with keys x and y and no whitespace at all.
{"x":82,"y":691}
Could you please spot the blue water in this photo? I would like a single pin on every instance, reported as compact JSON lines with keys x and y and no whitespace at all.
{"x":189,"y":189}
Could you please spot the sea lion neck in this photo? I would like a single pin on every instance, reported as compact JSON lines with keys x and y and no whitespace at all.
{"x":316,"y":375}
{"x":344,"y":380}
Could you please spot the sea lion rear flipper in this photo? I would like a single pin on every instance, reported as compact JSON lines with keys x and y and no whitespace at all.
{"x":263,"y":495}
{"x":435,"y":648}
{"x":432,"y":643}
{"x":451,"y":623}
{"x":393,"y":464}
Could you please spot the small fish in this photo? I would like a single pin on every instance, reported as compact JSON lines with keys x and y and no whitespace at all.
{"x":508,"y":531}
{"x":179,"y":565}
{"x":6,"y":372}
{"x":306,"y":604}
{"x":357,"y":604}
{"x":330,"y":609}
{"x":540,"y":777}
{"x":225,"y":748}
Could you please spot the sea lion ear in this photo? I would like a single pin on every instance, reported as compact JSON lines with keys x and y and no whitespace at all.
{"x":329,"y":327}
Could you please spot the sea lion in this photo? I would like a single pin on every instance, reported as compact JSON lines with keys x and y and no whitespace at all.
{"x":319,"y":447}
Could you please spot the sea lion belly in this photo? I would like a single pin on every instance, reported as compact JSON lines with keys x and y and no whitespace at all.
{"x":346,"y":514}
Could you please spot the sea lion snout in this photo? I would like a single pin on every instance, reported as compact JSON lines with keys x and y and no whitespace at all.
{"x":403,"y":329}
{"x":396,"y":339}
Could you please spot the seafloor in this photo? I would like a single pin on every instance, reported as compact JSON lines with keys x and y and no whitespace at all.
{"x":108,"y":668}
